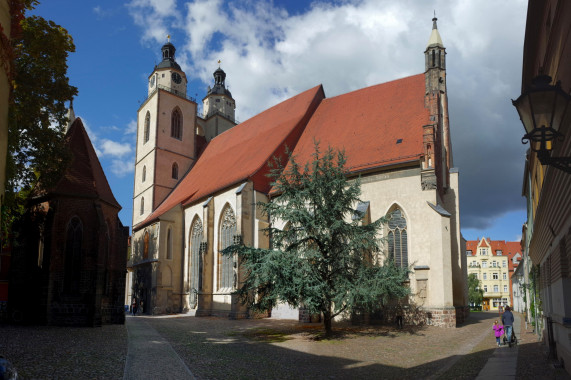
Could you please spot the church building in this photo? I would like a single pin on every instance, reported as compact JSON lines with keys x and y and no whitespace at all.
{"x":198,"y":178}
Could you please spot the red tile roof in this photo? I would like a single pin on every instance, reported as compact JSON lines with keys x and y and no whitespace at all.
{"x":368,"y":123}
{"x":376,"y":126}
{"x":243,"y":152}
{"x":85,"y":176}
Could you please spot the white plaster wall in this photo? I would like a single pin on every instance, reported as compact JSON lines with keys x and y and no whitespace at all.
{"x":428,"y":231}
{"x":164,"y":78}
{"x":137,"y":216}
{"x":144,"y":148}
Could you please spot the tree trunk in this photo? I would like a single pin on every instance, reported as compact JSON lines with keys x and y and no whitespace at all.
{"x":327,"y":322}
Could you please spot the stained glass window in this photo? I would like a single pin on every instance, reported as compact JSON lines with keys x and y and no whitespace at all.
{"x":226,"y":262}
{"x":397,"y":238}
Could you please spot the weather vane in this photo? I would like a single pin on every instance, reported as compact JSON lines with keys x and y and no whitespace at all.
{"x":169,"y":38}
{"x":219,"y":61}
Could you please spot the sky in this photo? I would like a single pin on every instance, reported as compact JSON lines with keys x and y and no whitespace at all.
{"x":272,"y":50}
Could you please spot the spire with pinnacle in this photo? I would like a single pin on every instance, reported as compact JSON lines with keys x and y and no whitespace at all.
{"x":435,"y":53}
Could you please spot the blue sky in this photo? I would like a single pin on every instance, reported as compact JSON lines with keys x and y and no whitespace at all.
{"x":274,"y":50}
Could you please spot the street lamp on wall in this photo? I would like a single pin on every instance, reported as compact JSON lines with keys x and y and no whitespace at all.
{"x":543,"y":109}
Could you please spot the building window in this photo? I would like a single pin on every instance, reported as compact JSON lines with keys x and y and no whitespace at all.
{"x":468,"y":253}
{"x":496,"y":288}
{"x":147,"y":129}
{"x":73,"y":246}
{"x":495,"y":276}
{"x":176,"y":124}
{"x":476,"y":275}
{"x":484,"y":251}
{"x":494,"y":264}
{"x":174,"y":171}
{"x":484,"y":264}
{"x":505,"y":288}
{"x":485,"y":288}
{"x":142,"y":211}
{"x":505,"y":276}
{"x":498,"y":252}
{"x":485,"y":276}
{"x":146,"y":246}
{"x":504,"y":264}
{"x":195,"y":259}
{"x":169,"y":244}
{"x":397,"y":239}
{"x":144,"y":174}
{"x":226,"y":275}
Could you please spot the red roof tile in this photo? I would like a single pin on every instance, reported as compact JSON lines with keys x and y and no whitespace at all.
{"x":243,"y":152}
{"x":368,"y":124}
{"x":84,"y":176}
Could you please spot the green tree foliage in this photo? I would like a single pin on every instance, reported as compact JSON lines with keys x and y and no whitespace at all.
{"x":475,"y":291}
{"x":37,"y":113}
{"x":324,"y":260}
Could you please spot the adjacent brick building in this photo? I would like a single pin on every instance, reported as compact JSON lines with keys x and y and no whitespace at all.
{"x":69,"y":257}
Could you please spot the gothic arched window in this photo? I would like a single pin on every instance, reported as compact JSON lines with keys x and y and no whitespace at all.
{"x":146,"y":246}
{"x":176,"y":124}
{"x":174,"y":170}
{"x":397,"y":238}
{"x":147,"y":130}
{"x":226,"y":262}
{"x":142,"y":205}
{"x":195,"y":258}
{"x":169,"y":244}
{"x":73,"y":243}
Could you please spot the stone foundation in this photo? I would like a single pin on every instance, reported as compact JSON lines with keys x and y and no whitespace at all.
{"x":441,"y":317}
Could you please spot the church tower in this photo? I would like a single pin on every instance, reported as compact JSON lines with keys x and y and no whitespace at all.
{"x":166,"y":124}
{"x":437,"y":143}
{"x":219,"y":108}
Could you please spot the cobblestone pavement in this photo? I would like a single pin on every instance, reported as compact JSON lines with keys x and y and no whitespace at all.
{"x":44,"y":352}
{"x":217,"y":348}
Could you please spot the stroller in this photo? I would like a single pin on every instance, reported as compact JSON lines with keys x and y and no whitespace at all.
{"x":512,"y":341}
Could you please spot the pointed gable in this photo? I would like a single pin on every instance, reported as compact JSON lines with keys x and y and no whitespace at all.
{"x":84,"y":177}
{"x":242,"y":153}
{"x":484,"y":243}
{"x":377,"y":126}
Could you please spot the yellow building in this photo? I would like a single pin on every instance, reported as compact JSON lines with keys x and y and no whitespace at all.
{"x":489,"y":261}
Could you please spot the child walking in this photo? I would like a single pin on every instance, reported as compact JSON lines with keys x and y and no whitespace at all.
{"x":498,"y":332}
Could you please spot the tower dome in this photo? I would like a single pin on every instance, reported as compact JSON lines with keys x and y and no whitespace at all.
{"x":168,"y":61}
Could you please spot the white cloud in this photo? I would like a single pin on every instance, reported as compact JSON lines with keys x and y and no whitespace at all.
{"x":270,"y":55}
{"x":155,"y":17}
{"x":131,"y":128}
{"x":122,"y":167}
{"x":114,"y":149}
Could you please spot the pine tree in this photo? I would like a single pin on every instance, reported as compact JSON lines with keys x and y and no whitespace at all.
{"x":325,"y":259}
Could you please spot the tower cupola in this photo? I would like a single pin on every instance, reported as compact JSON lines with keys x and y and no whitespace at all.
{"x":168,"y":61}
{"x":218,"y":99}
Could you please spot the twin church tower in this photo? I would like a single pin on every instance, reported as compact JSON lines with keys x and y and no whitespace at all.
{"x":170,"y":134}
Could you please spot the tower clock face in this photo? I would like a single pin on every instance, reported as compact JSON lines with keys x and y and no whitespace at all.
{"x":153,"y":81}
{"x":176,"y":78}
